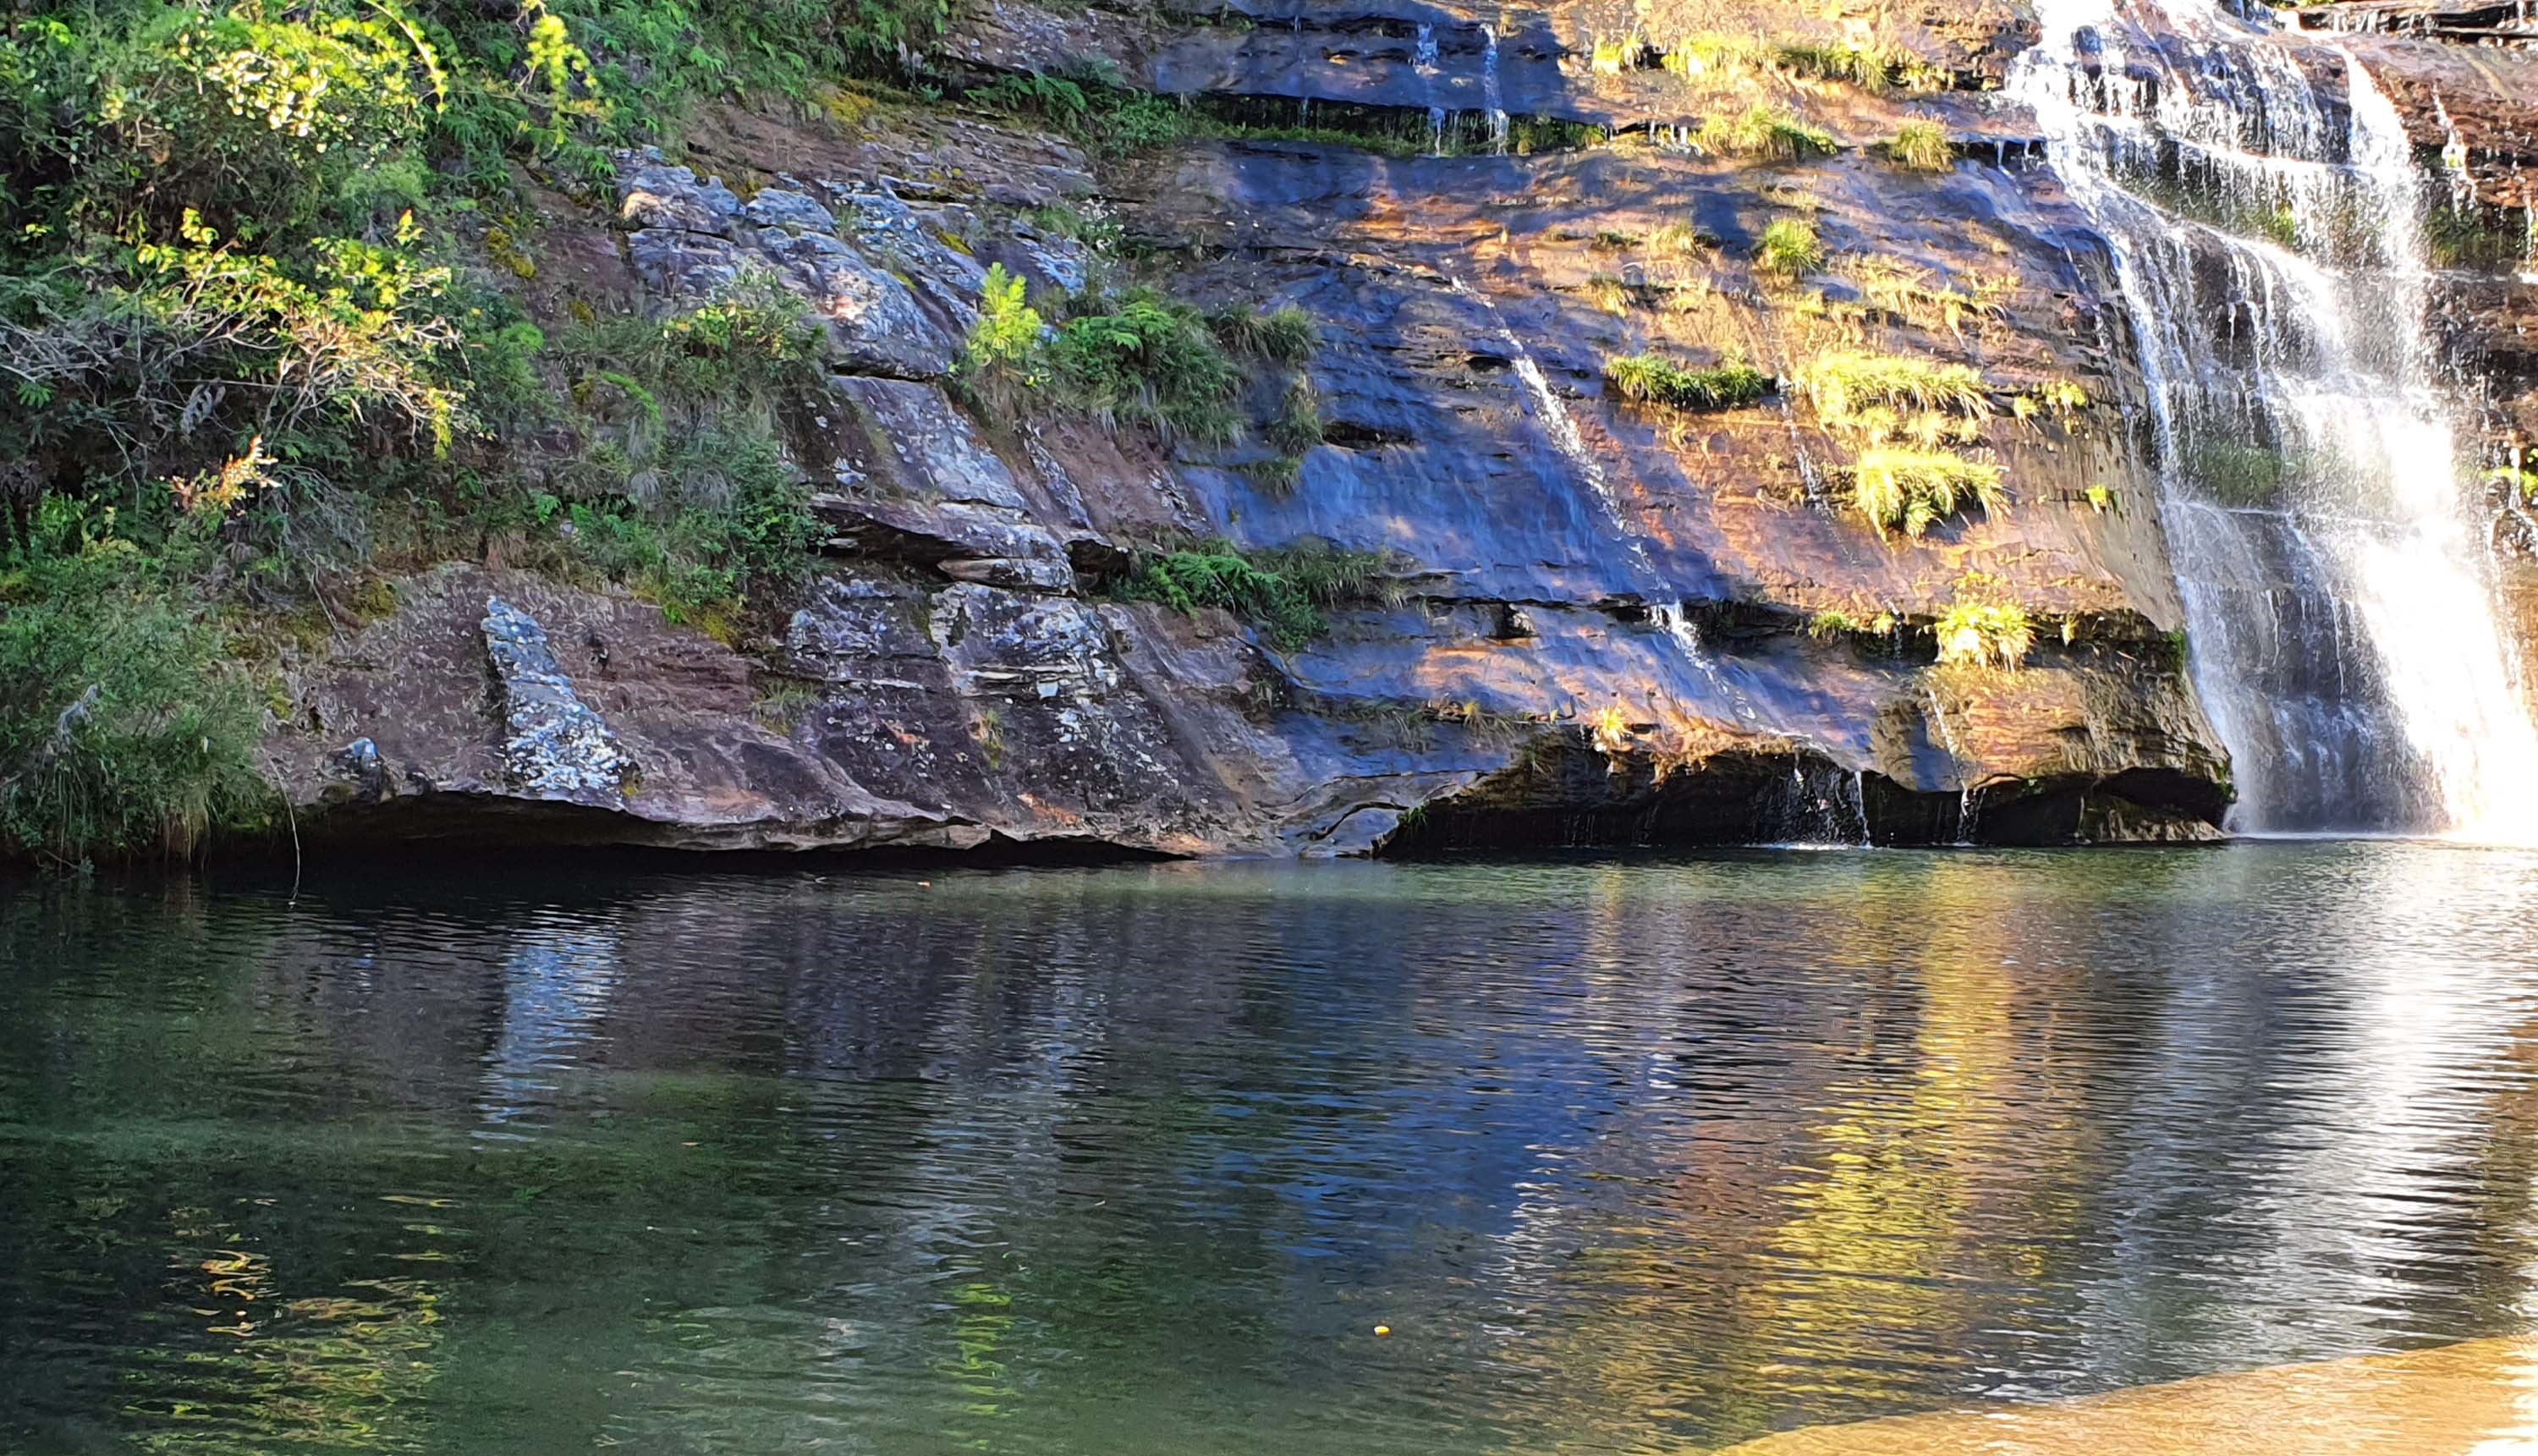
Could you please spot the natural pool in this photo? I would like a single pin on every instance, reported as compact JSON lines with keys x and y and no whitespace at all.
{"x":1645,"y":1155}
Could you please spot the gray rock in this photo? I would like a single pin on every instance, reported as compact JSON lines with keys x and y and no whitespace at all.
{"x":684,"y":265}
{"x":774,"y":207}
{"x":555,"y":747}
{"x":652,"y":195}
{"x":875,"y":323}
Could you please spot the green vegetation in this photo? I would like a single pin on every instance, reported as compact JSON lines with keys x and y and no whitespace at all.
{"x":1135,"y":358}
{"x":1919,"y":145}
{"x":1845,"y":385}
{"x":1770,"y":133}
{"x":1985,"y":628}
{"x":250,"y":262}
{"x":1298,"y":424}
{"x":2521,"y":483}
{"x":1872,"y":68}
{"x":1911,"y":491}
{"x":1985,"y":633}
{"x":1285,"y":592}
{"x":1788,"y":249}
{"x":123,"y":727}
{"x":1912,"y":294}
{"x":1286,"y":336}
{"x":1679,"y":239}
{"x":1608,"y":293}
{"x":2104,"y":500}
{"x":2233,"y":474}
{"x":1649,"y":379}
{"x":1719,"y":54}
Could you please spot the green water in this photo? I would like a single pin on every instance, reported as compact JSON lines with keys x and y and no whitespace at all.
{"x":1629,"y":1155}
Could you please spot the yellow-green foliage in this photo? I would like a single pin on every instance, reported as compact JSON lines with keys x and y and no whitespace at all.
{"x":1678,"y":240}
{"x":1772,"y":133}
{"x":2523,"y":482}
{"x":1920,"y":145}
{"x":1649,"y":379}
{"x":1788,"y":249}
{"x":1845,"y":385}
{"x":1909,"y":491}
{"x":1912,"y":294}
{"x":1608,"y":293}
{"x":1615,"y":54}
{"x":1984,"y":633}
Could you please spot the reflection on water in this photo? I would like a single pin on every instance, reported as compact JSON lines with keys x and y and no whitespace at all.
{"x":1631,"y":1156}
{"x":2477,"y":1398}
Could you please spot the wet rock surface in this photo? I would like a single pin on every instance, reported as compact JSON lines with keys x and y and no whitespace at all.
{"x":1602,"y":630}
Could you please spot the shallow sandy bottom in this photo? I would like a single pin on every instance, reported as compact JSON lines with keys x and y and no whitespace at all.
{"x":2479,"y":1397}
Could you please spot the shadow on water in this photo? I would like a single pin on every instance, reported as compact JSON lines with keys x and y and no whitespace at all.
{"x":1630,"y":1152}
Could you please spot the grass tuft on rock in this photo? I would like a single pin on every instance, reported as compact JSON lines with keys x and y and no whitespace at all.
{"x":1919,"y":145}
{"x":1649,"y":379}
{"x":1788,"y":251}
{"x":1904,"y":489}
{"x":1766,"y":133}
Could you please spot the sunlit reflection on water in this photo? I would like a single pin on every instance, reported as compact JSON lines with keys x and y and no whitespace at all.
{"x":1651,"y":1155}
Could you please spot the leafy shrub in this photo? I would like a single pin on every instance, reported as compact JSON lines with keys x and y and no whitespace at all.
{"x":1150,"y":360}
{"x":1770,"y":133}
{"x":1920,"y":146}
{"x":123,"y":729}
{"x":1649,"y":378}
{"x":1005,"y":342}
{"x":1910,"y":489}
{"x":1788,"y":249}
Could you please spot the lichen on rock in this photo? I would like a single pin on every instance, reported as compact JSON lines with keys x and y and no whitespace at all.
{"x":554,"y":745}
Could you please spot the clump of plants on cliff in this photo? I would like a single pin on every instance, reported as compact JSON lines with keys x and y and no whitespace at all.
{"x":1900,"y":412}
{"x":1911,"y":491}
{"x":1919,"y":145}
{"x":1788,"y":251}
{"x":1720,"y":54}
{"x":1847,"y":384}
{"x":1766,"y":133}
{"x":1650,"y":378}
{"x":1982,"y":626}
{"x":1137,"y":357}
{"x":1285,"y":591}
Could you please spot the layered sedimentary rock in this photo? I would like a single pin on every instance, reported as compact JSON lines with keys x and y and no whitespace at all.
{"x":1602,"y":622}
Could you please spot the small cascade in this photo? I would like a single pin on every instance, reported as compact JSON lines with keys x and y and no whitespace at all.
{"x":2268,"y":242}
{"x":1685,"y":632}
{"x":1553,"y":416}
{"x":1490,"y":91}
{"x":1422,"y":60}
{"x":1824,"y":807}
{"x":1968,"y":797}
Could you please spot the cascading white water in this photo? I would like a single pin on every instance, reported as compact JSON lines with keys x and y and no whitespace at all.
{"x":2268,"y":240}
{"x":1490,"y":90}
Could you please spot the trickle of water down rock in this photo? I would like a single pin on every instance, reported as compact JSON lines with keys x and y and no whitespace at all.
{"x":2261,"y":197}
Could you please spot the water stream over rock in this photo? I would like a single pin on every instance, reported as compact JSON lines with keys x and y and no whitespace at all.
{"x":2267,"y":216}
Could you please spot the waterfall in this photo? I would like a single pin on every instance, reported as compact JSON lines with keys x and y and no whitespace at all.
{"x":1490,"y":90}
{"x":1423,"y":62}
{"x":2342,"y":627}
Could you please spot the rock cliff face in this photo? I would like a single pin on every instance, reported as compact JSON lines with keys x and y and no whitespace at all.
{"x":1604,"y":623}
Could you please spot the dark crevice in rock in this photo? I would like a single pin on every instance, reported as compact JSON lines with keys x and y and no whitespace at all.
{"x":1562,"y":792}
